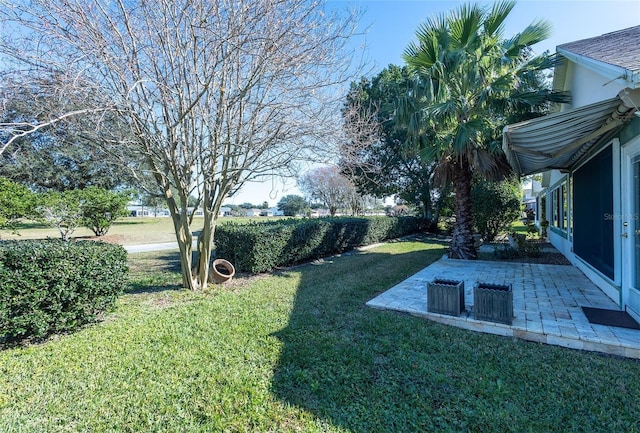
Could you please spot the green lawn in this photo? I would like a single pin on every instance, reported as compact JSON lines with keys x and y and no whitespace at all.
{"x":299,"y":352}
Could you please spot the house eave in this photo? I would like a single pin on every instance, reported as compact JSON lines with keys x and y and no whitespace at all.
{"x":630,"y":78}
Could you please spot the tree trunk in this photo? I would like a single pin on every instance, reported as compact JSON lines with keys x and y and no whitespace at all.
{"x":427,"y":208}
{"x":462,"y":245}
{"x":183,"y":233}
{"x":185,"y":241}
{"x":205,"y":240}
{"x":205,"y":243}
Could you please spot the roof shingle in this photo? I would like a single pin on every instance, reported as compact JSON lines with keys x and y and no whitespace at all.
{"x":620,"y":48}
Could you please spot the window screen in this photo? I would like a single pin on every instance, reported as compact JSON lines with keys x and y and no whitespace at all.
{"x":593,"y":212}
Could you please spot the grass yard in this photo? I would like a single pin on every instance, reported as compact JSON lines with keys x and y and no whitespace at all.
{"x":298,"y":351}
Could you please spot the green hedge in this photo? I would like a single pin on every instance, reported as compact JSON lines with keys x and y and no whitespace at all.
{"x":261,"y":247}
{"x":55,"y":286}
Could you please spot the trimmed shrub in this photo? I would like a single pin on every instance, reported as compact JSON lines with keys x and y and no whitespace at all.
{"x":55,"y":286}
{"x":261,"y":247}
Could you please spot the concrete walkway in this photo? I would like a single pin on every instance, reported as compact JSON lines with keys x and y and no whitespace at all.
{"x":546,"y":304}
{"x":164,"y":246}
{"x":151,"y":247}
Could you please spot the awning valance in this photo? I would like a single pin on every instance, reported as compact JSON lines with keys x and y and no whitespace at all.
{"x":559,"y":140}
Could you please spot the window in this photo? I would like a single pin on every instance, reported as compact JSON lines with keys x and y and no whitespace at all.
{"x":559,"y":206}
{"x":564,"y":206}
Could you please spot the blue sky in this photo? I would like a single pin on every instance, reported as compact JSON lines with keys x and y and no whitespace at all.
{"x":390,"y":26}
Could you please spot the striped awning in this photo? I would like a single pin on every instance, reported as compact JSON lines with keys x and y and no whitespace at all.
{"x":559,"y":140}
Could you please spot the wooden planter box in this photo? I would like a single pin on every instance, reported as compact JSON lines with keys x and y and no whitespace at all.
{"x":493,"y":303}
{"x":445,"y":297}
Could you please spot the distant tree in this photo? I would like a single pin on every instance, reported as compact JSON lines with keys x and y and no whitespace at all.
{"x":193,"y":201}
{"x":327,"y":185}
{"x":247,"y":205}
{"x":292,"y":205}
{"x":16,"y":202}
{"x":264,"y":205}
{"x":61,"y":210}
{"x":101,"y":207}
{"x":61,"y":166}
{"x":69,"y":154}
{"x":354,"y":201}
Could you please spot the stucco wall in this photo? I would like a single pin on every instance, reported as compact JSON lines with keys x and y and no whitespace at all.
{"x":588,"y":87}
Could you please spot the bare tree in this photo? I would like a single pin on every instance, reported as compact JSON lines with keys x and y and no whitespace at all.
{"x":327,"y":185}
{"x":215,"y":92}
{"x":363,"y":131}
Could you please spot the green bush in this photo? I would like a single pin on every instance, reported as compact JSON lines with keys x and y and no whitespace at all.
{"x":261,"y":247}
{"x":101,"y":207}
{"x":55,"y":286}
{"x":495,"y":206}
{"x":16,"y":202}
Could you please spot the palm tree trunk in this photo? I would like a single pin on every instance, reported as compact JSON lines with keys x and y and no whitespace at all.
{"x":462,"y":245}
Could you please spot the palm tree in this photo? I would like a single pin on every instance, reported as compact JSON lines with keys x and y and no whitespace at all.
{"x":470,"y":83}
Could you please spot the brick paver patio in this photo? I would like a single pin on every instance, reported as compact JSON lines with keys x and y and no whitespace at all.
{"x":546,"y":304}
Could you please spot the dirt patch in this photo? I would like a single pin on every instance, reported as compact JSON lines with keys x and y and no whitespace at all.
{"x":239,"y":281}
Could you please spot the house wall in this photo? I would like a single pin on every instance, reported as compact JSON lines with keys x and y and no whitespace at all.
{"x":631,"y":267}
{"x":588,"y":87}
{"x":563,"y":239}
{"x":613,"y":287}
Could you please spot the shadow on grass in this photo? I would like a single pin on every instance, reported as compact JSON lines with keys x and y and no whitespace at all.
{"x":347,"y":363}
{"x":154,"y":272}
{"x":130,"y":221}
{"x":28,"y":225}
{"x":143,"y":287}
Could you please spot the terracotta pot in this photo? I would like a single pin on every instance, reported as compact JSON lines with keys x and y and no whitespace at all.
{"x":221,"y":271}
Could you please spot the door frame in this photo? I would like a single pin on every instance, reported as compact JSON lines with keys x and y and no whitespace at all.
{"x":629,"y":296}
